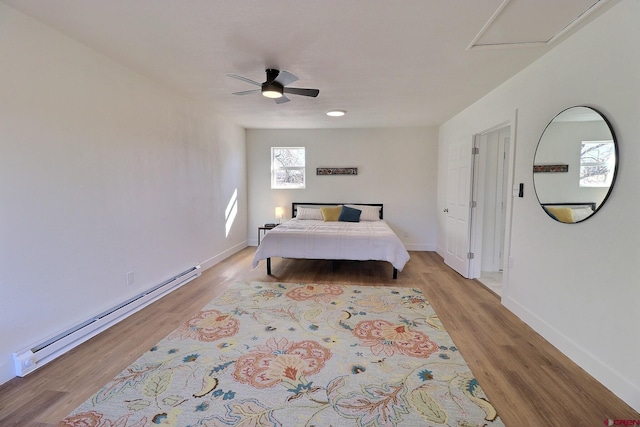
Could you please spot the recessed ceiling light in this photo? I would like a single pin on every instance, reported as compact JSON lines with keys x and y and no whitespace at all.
{"x":336,"y":113}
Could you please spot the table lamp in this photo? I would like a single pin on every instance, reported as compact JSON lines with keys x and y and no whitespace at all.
{"x":279,"y":213}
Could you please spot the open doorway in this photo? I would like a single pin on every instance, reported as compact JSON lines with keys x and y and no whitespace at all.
{"x":491,"y":188}
{"x":478,"y":203}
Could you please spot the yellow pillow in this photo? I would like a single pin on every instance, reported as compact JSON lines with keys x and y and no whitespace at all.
{"x":561,"y":214}
{"x":331,"y":214}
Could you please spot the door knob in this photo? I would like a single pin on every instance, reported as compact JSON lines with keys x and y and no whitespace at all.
{"x":445,"y":210}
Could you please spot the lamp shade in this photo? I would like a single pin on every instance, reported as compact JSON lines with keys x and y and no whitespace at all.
{"x":279,"y":213}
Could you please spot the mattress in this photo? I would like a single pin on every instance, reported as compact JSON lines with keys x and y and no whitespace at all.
{"x":333,"y":240}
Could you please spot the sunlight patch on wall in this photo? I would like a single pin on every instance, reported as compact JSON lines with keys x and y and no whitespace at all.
{"x":231,"y":212}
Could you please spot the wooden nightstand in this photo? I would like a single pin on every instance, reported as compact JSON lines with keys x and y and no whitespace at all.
{"x":264,"y":229}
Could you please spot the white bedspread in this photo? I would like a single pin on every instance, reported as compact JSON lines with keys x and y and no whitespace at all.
{"x":309,"y":239}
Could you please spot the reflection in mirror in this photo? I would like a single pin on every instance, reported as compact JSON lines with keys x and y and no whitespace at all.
{"x":575,"y":164}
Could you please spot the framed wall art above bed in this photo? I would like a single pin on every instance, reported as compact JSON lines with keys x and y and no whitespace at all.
{"x":337,"y":171}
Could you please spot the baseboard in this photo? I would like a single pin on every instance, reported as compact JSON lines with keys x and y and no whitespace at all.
{"x":605,"y":374}
{"x":7,"y":371}
{"x":223,"y":255}
{"x":420,"y":247}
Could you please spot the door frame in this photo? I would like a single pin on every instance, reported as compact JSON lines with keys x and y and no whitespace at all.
{"x":475,"y":244}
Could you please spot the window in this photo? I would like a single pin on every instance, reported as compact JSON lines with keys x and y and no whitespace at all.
{"x":597,"y":160}
{"x":287,"y":167}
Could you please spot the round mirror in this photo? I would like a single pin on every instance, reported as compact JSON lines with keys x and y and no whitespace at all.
{"x":575,"y":164}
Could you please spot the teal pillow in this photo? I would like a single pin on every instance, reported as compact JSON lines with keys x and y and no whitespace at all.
{"x":349,"y":214}
{"x":549,"y":213}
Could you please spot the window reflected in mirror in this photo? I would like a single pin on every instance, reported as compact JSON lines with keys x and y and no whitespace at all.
{"x":597,"y":163}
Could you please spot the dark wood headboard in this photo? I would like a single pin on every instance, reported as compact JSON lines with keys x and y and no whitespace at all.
{"x":294,"y":206}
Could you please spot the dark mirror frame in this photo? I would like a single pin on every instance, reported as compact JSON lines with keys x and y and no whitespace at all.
{"x":557,"y":168}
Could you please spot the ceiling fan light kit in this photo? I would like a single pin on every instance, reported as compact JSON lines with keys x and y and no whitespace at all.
{"x":272,"y":90}
{"x":276,"y":86}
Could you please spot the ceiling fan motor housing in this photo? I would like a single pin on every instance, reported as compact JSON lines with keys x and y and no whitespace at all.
{"x":272,"y":74}
{"x":271,"y":88}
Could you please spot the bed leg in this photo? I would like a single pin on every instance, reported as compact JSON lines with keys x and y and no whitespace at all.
{"x":269,"y":266}
{"x":395,"y":273}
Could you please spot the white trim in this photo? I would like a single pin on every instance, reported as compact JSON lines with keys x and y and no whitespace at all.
{"x":7,"y":371}
{"x":578,"y":20}
{"x":605,"y":374}
{"x":486,"y":26}
{"x":223,"y":255}
{"x":537,"y":43}
{"x":420,"y":247}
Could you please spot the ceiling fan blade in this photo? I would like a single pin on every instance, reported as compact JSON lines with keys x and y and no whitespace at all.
{"x":301,"y":91}
{"x":244,"y":79}
{"x":282,"y":100}
{"x":286,"y":78}
{"x":247,"y":92}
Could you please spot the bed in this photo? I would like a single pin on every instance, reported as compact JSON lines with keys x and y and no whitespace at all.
{"x":570,"y":213}
{"x":363,"y":236}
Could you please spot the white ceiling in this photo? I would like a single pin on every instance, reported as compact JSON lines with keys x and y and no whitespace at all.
{"x":387,"y":62}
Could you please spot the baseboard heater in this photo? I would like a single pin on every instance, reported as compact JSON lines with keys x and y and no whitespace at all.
{"x":37,"y":355}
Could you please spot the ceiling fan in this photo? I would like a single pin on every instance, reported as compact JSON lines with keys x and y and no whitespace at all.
{"x":275,"y":86}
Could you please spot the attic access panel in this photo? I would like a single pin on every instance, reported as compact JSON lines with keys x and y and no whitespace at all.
{"x":525,"y":22}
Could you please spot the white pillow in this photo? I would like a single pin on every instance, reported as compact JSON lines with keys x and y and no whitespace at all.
{"x":309,"y":213}
{"x":369,"y":213}
{"x":581,"y":213}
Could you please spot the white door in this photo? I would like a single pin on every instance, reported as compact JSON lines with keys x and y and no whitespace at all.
{"x":458,"y":209}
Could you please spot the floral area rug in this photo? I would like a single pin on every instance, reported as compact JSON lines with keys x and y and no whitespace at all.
{"x":279,"y":354}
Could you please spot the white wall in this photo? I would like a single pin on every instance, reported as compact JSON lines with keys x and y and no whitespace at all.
{"x":396,"y":166}
{"x":575,"y":284}
{"x":102,"y":172}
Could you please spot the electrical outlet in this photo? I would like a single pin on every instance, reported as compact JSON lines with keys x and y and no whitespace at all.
{"x":130,"y":278}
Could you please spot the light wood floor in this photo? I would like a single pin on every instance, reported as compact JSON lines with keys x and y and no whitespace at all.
{"x":529,"y":382}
